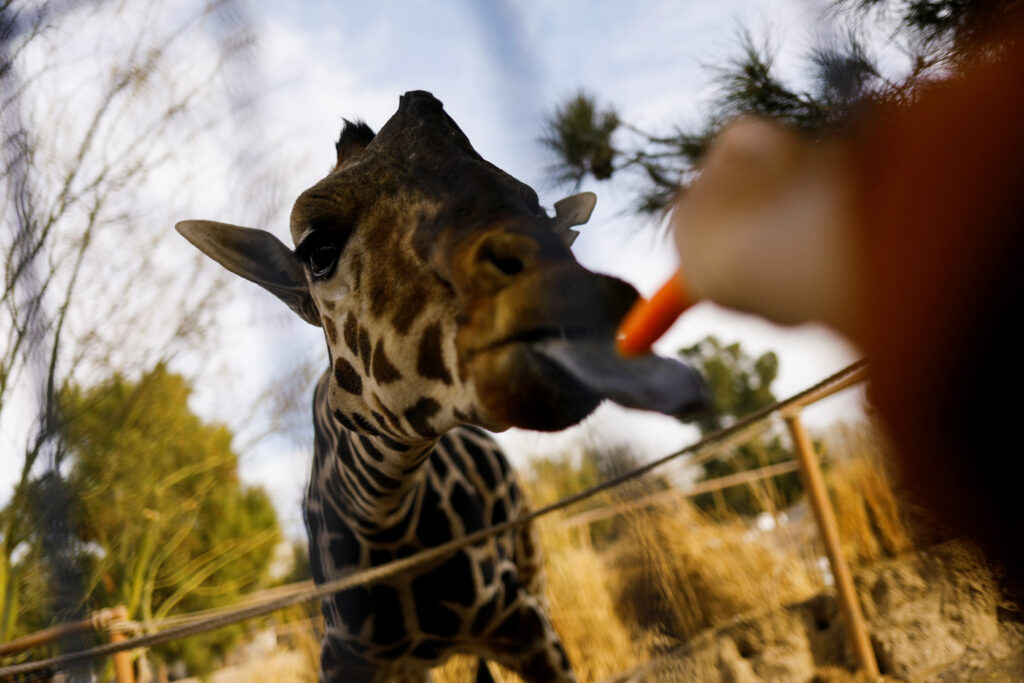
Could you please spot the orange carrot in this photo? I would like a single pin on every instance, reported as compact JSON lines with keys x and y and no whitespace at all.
{"x":649,"y":319}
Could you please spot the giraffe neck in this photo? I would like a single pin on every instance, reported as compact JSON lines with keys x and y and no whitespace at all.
{"x":374,"y":477}
{"x":377,"y":481}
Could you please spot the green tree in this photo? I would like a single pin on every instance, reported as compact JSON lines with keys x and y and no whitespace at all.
{"x":588,"y":138}
{"x":741,"y":384}
{"x":580,"y":135}
{"x":161,"y":521}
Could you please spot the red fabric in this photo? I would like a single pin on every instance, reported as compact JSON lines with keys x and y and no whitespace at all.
{"x":942,"y":202}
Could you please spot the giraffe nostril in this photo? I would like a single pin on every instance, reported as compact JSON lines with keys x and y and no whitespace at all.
{"x":508,"y":265}
{"x":506,"y":254}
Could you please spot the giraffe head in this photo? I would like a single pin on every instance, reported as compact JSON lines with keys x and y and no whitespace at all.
{"x":433,"y":274}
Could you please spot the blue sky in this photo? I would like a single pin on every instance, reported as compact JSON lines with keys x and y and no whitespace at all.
{"x":499,"y":67}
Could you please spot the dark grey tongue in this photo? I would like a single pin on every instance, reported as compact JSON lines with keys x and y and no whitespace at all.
{"x":647,"y":382}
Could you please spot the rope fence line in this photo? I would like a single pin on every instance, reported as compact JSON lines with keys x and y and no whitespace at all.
{"x":103,"y":620}
{"x":672,"y":495}
{"x":703,"y":449}
{"x":252,"y":599}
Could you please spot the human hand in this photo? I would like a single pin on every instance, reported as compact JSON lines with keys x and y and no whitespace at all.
{"x":768,"y":227}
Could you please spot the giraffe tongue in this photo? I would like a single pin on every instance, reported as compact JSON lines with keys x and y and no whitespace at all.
{"x":647,"y":382}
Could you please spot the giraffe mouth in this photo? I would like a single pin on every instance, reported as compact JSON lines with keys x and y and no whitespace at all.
{"x":580,"y":366}
{"x":556,"y":365}
{"x":542,"y":335}
{"x":520,"y":387}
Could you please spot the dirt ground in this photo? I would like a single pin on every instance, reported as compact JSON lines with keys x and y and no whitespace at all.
{"x":937,"y":616}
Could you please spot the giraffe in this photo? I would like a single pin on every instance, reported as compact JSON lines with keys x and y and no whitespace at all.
{"x":433,"y":274}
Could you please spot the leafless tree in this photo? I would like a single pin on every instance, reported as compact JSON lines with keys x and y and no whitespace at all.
{"x":110,"y":113}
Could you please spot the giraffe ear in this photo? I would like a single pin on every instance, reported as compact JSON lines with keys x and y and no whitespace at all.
{"x":574,"y":210}
{"x":257,"y":256}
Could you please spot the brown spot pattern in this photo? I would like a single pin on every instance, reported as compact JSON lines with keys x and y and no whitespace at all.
{"x":364,"y":424}
{"x":409,"y":308}
{"x":379,"y":419}
{"x":357,"y":272}
{"x":370,"y":449}
{"x":347,"y":377}
{"x":430,"y":361}
{"x":351,"y":332}
{"x":392,"y":418}
{"x":330,"y":329}
{"x":539,"y":668}
{"x":419,"y":416}
{"x":379,"y":294}
{"x":383,"y":370}
{"x":364,"y":349}
{"x":343,"y":419}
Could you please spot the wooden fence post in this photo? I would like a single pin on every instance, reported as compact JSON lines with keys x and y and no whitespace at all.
{"x":123,"y":671}
{"x":814,"y":484}
{"x":104,"y":620}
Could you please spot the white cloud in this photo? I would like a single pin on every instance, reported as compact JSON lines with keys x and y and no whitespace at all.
{"x":650,"y":59}
{"x":324,"y":60}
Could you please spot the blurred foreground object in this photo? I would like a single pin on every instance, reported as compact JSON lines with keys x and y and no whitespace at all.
{"x":767,"y":227}
{"x":905,"y":234}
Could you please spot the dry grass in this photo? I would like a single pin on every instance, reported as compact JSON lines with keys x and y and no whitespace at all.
{"x":678,"y":572}
{"x":872,"y":520}
{"x":462,"y":669}
{"x":675,"y":572}
{"x":583,"y":611}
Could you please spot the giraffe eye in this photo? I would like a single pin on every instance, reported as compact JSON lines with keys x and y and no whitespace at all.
{"x":321,"y":250}
{"x":322,"y":260}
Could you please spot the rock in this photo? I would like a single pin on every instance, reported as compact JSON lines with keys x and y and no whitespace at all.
{"x":924,"y":610}
{"x":931,"y":616}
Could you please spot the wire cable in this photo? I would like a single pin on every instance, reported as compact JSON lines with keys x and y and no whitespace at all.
{"x":373,"y":574}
